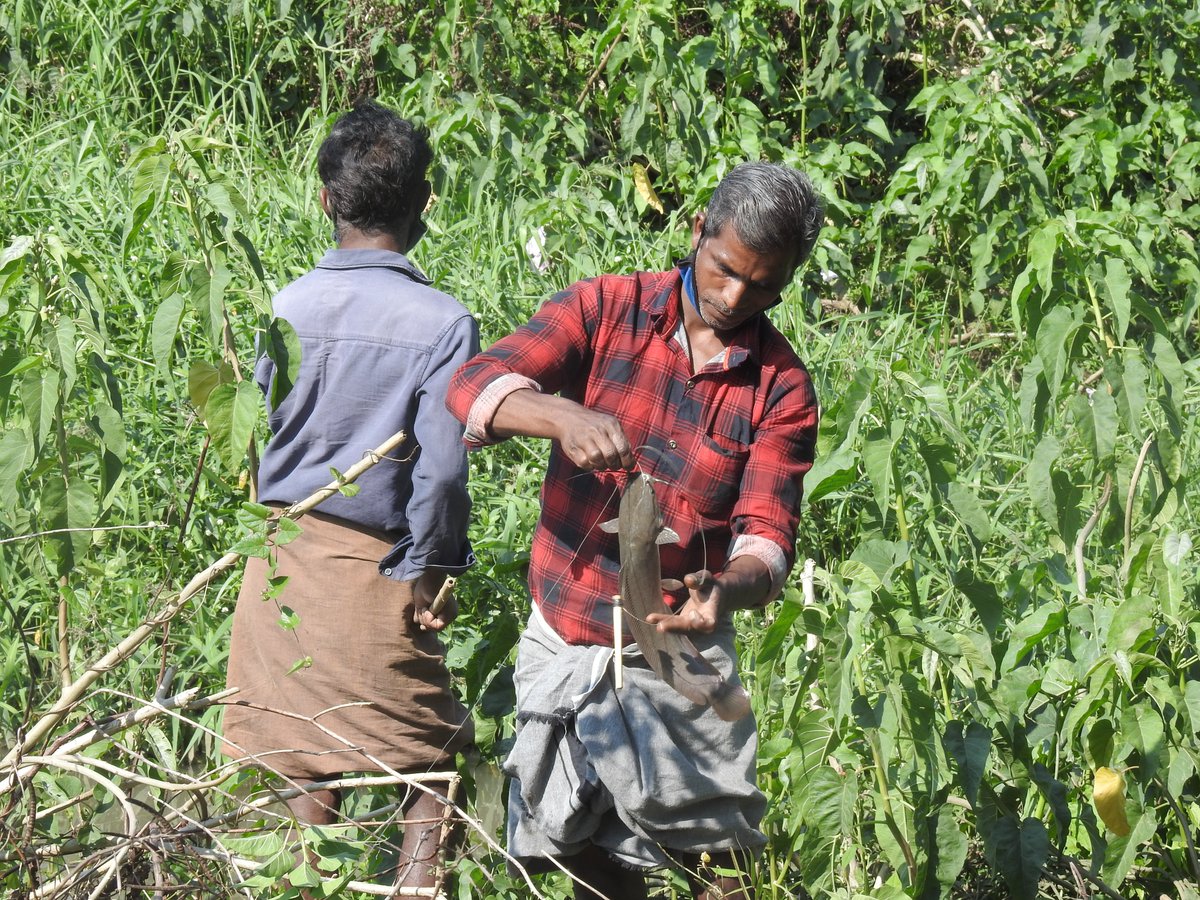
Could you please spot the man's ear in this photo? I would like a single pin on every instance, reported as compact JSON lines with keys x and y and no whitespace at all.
{"x":697,"y":229}
{"x":327,"y":203}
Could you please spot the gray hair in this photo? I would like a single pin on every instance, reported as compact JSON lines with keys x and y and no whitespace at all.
{"x":771,"y":207}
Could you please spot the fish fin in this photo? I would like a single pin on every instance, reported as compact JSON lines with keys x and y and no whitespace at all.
{"x":672,"y":584}
{"x":610,"y":526}
{"x":666,"y":536}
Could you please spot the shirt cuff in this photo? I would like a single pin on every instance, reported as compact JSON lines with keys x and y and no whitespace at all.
{"x":769,"y":554}
{"x":479,"y":419}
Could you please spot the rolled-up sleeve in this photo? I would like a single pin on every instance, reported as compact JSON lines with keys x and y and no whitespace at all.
{"x":542,"y":355}
{"x":767,"y":513}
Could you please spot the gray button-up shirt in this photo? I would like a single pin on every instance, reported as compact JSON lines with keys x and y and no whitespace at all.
{"x":378,"y":347}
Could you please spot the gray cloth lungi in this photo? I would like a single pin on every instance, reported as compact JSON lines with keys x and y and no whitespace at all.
{"x":640,"y":772}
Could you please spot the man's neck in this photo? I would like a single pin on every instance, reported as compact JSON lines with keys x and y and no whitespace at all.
{"x":705,"y":341}
{"x":350,"y":238}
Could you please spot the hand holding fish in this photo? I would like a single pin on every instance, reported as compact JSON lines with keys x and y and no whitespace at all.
{"x":594,"y":440}
{"x":744,"y":584}
{"x":591,"y":440}
{"x":702,"y":610}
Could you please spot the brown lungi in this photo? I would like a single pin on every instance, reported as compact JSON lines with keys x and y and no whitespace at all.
{"x":357,"y":626}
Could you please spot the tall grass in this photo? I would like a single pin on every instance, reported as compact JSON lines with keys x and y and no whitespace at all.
{"x":1011,"y":212}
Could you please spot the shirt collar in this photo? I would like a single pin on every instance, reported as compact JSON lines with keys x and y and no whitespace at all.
{"x":336,"y":258}
{"x":664,"y":309}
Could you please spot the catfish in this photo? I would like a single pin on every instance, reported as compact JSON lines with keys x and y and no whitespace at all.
{"x":673,"y":656}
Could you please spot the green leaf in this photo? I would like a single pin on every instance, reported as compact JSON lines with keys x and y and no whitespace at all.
{"x":1043,"y":244}
{"x":153,"y":170}
{"x":288,"y":618}
{"x":1143,"y":726}
{"x":968,"y":508}
{"x":984,"y":599}
{"x":1039,"y":476}
{"x":1055,"y":793}
{"x":951,"y":848}
{"x":286,"y":531}
{"x":207,"y":294}
{"x":1167,"y":362}
{"x":1100,"y":744}
{"x":62,"y":349}
{"x":829,"y":800}
{"x":107,"y":423}
{"x":1191,"y":700}
{"x":1116,"y":283}
{"x":1020,"y":851}
{"x":283,"y":347}
{"x":831,"y":473}
{"x":164,"y":330}
{"x":777,"y":634}
{"x":1129,"y":379}
{"x":1054,"y":336}
{"x":1096,"y":415}
{"x":203,"y":378}
{"x":877,"y":459}
{"x":1132,"y":619}
{"x":969,"y":749}
{"x":1176,"y":548}
{"x":69,"y":506}
{"x":305,"y":662}
{"x":39,"y":395}
{"x":12,"y":266}
{"x":230,"y":414}
{"x":16,"y":452}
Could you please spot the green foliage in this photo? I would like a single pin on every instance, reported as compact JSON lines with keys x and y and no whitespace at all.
{"x":1002,"y":514}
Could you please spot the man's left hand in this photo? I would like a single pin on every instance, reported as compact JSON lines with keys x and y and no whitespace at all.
{"x":425,"y":592}
{"x":702,"y":610}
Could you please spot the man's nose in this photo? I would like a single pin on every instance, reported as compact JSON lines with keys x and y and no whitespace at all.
{"x":735,"y":293}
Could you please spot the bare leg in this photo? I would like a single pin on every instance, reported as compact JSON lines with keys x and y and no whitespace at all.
{"x":606,"y":878}
{"x":419,"y":849}
{"x":315,"y":808}
{"x":707,"y":884}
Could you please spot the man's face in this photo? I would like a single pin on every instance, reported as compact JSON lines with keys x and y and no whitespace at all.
{"x":733,"y":282}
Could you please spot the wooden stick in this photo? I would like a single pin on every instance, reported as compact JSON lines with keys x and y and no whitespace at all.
{"x":439,"y":601}
{"x":618,"y":627}
{"x":74,"y":693}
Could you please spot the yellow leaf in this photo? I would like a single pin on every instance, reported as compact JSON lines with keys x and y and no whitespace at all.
{"x":1108,"y":793}
{"x":641,"y":180}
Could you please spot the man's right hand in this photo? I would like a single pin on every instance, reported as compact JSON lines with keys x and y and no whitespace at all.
{"x":591,"y":440}
{"x":594,"y":440}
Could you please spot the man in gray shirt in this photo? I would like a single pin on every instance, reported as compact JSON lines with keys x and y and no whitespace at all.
{"x":379,"y":346}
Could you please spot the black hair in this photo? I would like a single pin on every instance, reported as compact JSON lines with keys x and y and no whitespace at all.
{"x":373,"y":165}
{"x":771,"y":207}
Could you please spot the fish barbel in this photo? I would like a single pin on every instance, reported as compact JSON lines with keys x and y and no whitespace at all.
{"x":673,"y":656}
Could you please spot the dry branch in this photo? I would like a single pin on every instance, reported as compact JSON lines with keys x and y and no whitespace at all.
{"x":72,"y":694}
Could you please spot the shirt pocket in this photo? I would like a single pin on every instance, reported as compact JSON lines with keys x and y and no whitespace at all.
{"x":713,"y":472}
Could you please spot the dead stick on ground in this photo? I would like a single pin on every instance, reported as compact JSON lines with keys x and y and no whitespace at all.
{"x":73,"y":693}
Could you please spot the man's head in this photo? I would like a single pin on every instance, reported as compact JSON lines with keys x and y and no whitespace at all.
{"x":761,"y":224}
{"x":372,"y":167}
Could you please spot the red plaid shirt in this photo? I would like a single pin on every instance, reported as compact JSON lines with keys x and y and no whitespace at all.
{"x":729,"y":445}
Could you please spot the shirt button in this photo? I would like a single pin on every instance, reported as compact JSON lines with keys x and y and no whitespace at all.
{"x":387,"y":571}
{"x":672,"y":445}
{"x":691,"y":384}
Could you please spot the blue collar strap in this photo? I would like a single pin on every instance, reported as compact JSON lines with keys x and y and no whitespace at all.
{"x":689,"y":285}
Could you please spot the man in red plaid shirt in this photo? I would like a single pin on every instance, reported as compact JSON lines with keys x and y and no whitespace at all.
{"x":681,"y":375}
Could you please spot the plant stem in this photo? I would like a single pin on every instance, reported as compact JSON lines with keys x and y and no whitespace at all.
{"x":1080,"y":569}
